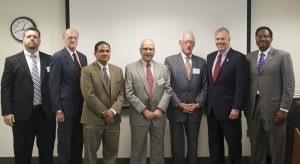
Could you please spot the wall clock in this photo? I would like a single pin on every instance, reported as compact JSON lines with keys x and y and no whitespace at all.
{"x":18,"y":25}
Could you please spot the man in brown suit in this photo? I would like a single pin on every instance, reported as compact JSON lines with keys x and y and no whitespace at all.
{"x":102,"y":87}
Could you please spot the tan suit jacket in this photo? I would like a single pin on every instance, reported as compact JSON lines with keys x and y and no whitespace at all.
{"x":96,"y":97}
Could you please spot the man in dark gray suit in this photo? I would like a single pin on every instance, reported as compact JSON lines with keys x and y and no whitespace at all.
{"x":189,"y":83}
{"x":25,"y":101}
{"x":67,"y":100}
{"x":148,"y":90}
{"x":271,"y":90}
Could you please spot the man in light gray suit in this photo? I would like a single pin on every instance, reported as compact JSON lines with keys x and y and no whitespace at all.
{"x":148,"y":90}
{"x":271,"y":89}
{"x":189,"y":83}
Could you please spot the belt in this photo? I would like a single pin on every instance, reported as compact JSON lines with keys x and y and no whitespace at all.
{"x":37,"y":106}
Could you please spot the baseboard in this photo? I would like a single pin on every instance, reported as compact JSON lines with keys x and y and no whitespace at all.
{"x":35,"y":160}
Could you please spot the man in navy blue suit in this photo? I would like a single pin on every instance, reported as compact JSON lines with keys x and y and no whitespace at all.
{"x":227,"y":85}
{"x":67,"y":100}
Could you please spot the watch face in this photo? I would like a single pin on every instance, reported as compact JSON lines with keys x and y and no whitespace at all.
{"x":18,"y":25}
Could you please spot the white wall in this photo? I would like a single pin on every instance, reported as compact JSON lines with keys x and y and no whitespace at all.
{"x":281,"y":15}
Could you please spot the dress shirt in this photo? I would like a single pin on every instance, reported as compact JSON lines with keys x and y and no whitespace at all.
{"x":184,"y":59}
{"x":29,"y":61}
{"x":145,"y":67}
{"x":107,"y":71}
{"x":224,"y":54}
{"x":71,"y":54}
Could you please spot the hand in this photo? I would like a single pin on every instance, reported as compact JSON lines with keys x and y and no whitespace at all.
{"x":111,"y":121}
{"x":194,"y":106}
{"x":108,"y":115}
{"x":186,"y":108}
{"x":9,"y":120}
{"x":280,"y":117}
{"x":148,"y":114}
{"x":157,"y":113}
{"x":234,"y":114}
{"x":60,"y":117}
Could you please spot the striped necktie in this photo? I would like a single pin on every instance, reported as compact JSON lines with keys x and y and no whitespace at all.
{"x":37,"y":96}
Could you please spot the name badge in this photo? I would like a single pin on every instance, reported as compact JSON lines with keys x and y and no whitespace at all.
{"x":196,"y":70}
{"x":48,"y":69}
{"x":160,"y":82}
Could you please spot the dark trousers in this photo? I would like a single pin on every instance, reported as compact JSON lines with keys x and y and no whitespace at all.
{"x":70,"y":141}
{"x":232,"y":131}
{"x":24,"y":133}
{"x":177,"y":131}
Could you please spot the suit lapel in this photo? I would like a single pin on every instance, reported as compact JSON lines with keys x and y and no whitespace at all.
{"x":195,"y":64}
{"x":24,"y":63}
{"x":43,"y":63}
{"x":141,"y":74}
{"x":157,"y":72}
{"x":181,"y":65}
{"x":101,"y":76}
{"x":267,"y":60}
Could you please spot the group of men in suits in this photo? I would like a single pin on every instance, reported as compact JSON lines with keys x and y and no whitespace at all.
{"x":86,"y":102}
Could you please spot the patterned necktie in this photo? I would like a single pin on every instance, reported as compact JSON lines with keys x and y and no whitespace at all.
{"x":37,"y":96}
{"x":261,"y":62}
{"x":150,"y":83}
{"x":76,"y":62}
{"x":188,"y":67}
{"x":217,"y":67}
{"x":107,"y":80}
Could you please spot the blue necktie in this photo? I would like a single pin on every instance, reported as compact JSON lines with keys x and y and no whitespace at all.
{"x":261,"y":62}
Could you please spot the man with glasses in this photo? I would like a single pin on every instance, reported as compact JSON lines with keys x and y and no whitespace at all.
{"x":271,"y":90}
{"x":148,"y":90}
{"x":67,"y":100}
{"x":189,"y":83}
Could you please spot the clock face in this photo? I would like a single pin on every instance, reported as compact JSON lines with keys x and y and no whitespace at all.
{"x":19,"y":25}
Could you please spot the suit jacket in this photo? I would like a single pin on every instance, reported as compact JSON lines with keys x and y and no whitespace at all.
{"x":186,"y":90}
{"x":136,"y":88}
{"x":17,"y":87}
{"x":276,"y":83}
{"x":64,"y":83}
{"x":96,"y":96}
{"x":229,"y":89}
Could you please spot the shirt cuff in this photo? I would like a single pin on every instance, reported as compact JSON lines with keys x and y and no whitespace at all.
{"x":113,"y":111}
{"x":285,"y":110}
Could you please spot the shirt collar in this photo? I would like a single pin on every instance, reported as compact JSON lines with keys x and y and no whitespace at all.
{"x":145,"y":63}
{"x":265,"y":52}
{"x":37,"y":53}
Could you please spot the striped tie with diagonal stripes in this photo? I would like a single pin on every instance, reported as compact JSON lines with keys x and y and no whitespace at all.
{"x":37,"y":97}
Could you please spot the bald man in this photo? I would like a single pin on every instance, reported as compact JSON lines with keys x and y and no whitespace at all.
{"x":66,"y":97}
{"x":148,"y":91}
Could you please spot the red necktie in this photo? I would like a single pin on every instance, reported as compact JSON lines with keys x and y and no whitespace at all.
{"x":217,"y":67}
{"x":150,"y":83}
{"x":76,"y":62}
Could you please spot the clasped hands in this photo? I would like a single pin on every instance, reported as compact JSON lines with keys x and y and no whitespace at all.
{"x":108,"y":116}
{"x":188,"y":108}
{"x":152,"y":115}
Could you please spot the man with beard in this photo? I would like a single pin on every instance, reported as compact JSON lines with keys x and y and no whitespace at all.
{"x":25,"y":100}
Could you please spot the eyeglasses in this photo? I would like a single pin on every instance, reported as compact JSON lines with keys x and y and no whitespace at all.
{"x":186,"y":42}
{"x":148,"y":49}
{"x":72,"y":37}
{"x":102,"y":51}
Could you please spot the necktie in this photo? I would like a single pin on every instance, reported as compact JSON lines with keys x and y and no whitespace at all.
{"x":107,"y":80}
{"x":37,"y":97}
{"x":150,"y":83}
{"x":261,"y":62}
{"x":217,"y":67}
{"x":76,"y":62}
{"x":188,"y":67}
